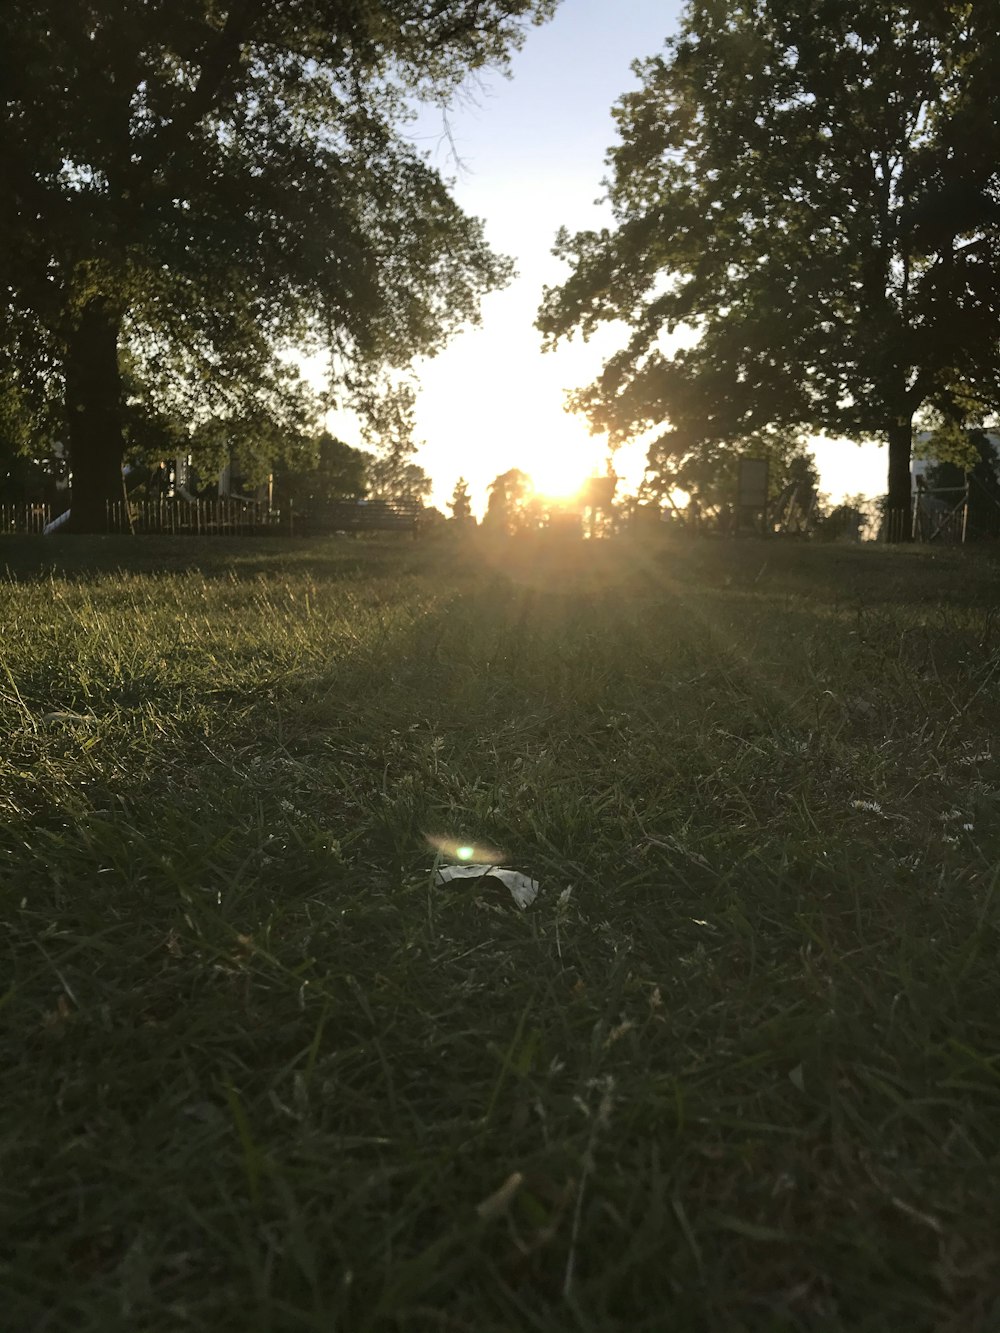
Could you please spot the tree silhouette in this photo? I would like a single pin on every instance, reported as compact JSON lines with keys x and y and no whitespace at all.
{"x":507,"y":495}
{"x":806,"y":229}
{"x":194,"y":188}
{"x":460,"y":504}
{"x":394,"y":476}
{"x":708,"y":472}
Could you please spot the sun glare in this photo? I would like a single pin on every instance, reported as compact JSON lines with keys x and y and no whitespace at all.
{"x":557,"y":483}
{"x":528,"y":429}
{"x":560,"y":469}
{"x":470,"y":852}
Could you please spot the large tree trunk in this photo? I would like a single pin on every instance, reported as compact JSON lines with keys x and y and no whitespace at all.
{"x":899,"y":514}
{"x":94,"y":411}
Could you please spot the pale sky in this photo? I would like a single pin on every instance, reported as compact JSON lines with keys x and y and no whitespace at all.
{"x":530,"y":159}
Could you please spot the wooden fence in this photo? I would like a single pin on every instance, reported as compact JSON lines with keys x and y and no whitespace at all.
{"x":196,"y":518}
{"x":231,"y":518}
{"x":16,"y":519}
{"x":941,"y":514}
{"x":236,"y":518}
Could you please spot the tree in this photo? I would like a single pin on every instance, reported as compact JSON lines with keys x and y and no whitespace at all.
{"x":847,"y":520}
{"x":460,"y":504}
{"x":394,"y":476}
{"x":805,"y":200}
{"x":192,"y":189}
{"x":27,"y":479}
{"x":506,"y":499}
{"x":330,"y":470}
{"x":32,"y":465}
{"x":707,"y":471}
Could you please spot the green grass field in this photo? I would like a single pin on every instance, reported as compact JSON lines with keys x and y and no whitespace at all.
{"x":737,"y":1068}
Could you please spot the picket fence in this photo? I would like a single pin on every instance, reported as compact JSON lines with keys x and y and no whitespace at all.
{"x":237,"y":518}
{"x":196,"y":518}
{"x":16,"y":519}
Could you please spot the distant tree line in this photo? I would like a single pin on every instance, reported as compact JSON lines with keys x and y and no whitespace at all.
{"x":316,"y":471}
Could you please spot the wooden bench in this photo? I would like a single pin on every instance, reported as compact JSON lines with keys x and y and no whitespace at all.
{"x":354,"y":516}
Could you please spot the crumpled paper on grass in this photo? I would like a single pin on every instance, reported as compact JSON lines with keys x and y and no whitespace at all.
{"x":523,"y":890}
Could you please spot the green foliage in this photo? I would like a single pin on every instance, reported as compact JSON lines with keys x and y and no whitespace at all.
{"x":805,"y":227}
{"x":947,"y":435}
{"x":394,"y":476}
{"x":460,"y":504}
{"x":30,"y":394}
{"x":708,"y":471}
{"x":327,"y":470}
{"x":31,"y":459}
{"x":28,"y":480}
{"x":843,"y":521}
{"x":217,"y":185}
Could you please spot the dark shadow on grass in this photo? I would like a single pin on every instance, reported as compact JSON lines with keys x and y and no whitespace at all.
{"x":753,"y":1038}
{"x":867,"y":574}
{"x":35,"y":559}
{"x":862,"y":575}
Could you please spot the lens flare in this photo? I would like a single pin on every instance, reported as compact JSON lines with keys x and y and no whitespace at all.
{"x":472,"y":853}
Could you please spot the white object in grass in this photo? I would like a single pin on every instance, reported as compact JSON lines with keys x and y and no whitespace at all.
{"x":523,"y":890}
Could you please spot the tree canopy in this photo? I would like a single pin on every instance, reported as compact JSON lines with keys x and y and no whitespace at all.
{"x":394,"y":476}
{"x":806,"y":234}
{"x":707,"y":470}
{"x":193,"y":189}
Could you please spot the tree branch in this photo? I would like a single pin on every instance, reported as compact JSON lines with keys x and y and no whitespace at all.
{"x":217,"y":66}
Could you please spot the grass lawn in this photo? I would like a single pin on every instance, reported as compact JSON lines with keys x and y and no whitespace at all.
{"x":737,"y":1068}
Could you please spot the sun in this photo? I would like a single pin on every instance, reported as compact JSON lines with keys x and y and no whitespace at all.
{"x":560,"y":470}
{"x":527,"y":428}
{"x":557,"y":485}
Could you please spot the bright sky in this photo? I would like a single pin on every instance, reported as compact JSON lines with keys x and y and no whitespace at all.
{"x":530,"y":159}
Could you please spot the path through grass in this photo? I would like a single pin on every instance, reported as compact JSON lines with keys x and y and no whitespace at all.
{"x":737,"y":1069}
